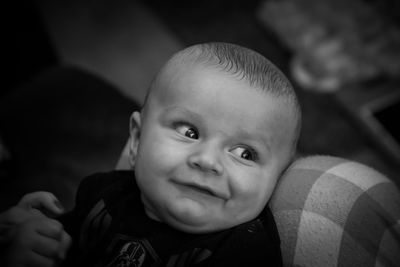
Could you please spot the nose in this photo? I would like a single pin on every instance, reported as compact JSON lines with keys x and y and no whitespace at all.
{"x":206,"y":159}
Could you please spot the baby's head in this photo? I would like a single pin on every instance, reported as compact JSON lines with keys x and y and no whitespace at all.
{"x":219,"y":125}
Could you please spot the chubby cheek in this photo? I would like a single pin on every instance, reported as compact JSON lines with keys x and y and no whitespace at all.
{"x":157,"y":156}
{"x":250,"y":192}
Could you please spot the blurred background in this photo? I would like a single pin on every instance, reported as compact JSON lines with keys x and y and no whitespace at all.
{"x":75,"y":70}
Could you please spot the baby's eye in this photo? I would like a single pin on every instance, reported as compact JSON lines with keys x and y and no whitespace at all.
{"x":245,"y":153}
{"x":187,"y":131}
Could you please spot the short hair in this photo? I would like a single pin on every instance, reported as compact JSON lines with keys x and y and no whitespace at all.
{"x":246,"y":64}
{"x":242,"y":62}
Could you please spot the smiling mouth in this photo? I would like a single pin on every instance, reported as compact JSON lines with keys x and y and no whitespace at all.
{"x":198,"y":189}
{"x":202,"y":190}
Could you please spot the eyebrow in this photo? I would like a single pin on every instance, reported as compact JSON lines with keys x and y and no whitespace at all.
{"x":192,"y":115}
{"x":181,"y":109}
{"x":242,"y":132}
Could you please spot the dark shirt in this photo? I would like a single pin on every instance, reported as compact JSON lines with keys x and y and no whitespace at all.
{"x":109,"y":227}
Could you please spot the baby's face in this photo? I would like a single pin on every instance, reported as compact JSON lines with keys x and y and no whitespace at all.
{"x":210,"y":149}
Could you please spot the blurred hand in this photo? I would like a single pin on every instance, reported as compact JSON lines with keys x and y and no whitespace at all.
{"x":32,"y":204}
{"x":37,"y":241}
{"x":28,"y":234}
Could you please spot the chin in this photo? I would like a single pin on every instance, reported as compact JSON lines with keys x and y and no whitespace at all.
{"x":189,"y":222}
{"x":195,"y":224}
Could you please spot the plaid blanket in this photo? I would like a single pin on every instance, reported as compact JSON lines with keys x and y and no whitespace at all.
{"x":334,"y":212}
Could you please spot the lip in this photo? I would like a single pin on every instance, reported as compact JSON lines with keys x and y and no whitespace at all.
{"x":202,"y":189}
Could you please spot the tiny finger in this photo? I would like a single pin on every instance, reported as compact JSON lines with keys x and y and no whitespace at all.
{"x":46,"y":246}
{"x":65,"y":243}
{"x":38,"y":260}
{"x":44,"y":201}
{"x":48,"y":227}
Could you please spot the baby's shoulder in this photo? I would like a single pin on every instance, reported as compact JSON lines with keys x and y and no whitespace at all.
{"x":106,"y":185}
{"x":108,"y":180}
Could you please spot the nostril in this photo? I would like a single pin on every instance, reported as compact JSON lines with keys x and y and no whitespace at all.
{"x":218,"y":169}
{"x":197,"y":165}
{"x":216,"y":172}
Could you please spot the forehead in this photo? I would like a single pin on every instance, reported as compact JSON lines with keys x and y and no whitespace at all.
{"x":223,"y":100}
{"x":185,"y":81}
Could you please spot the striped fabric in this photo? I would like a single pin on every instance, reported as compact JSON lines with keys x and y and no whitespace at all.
{"x":334,"y":212}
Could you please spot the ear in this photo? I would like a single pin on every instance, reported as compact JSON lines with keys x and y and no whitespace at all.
{"x":134,"y":130}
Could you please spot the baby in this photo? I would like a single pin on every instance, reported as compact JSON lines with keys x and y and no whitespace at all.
{"x":219,"y":125}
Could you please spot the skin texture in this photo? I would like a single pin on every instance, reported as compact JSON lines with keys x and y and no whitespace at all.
{"x":209,"y":148}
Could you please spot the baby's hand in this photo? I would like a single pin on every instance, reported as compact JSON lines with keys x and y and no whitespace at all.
{"x":30,"y":205}
{"x":28,"y":236}
{"x":38,"y":241}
